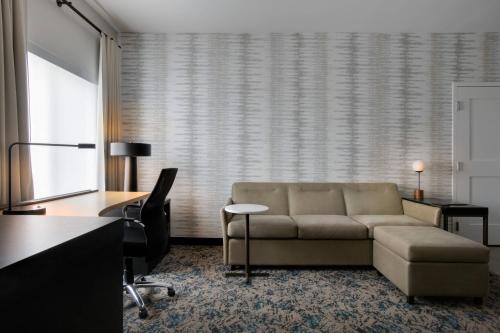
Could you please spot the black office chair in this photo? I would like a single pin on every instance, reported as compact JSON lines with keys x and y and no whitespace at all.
{"x":147,"y":237}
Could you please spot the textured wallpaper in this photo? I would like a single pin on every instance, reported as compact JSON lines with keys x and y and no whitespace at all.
{"x":294,"y":107}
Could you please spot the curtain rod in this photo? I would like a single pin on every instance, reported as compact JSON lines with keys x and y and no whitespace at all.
{"x":60,"y":3}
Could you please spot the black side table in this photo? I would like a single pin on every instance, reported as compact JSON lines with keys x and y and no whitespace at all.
{"x":454,"y":209}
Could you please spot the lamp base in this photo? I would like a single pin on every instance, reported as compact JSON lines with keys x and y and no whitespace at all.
{"x":418,"y":194}
{"x":130,"y":180}
{"x":25,"y":210}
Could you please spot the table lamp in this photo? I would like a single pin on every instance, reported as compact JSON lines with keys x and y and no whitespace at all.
{"x":418,"y":167}
{"x":130,"y":150}
{"x":33,"y":209}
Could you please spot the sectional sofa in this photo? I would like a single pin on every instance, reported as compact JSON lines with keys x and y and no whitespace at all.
{"x":321,"y":224}
{"x":317,"y":223}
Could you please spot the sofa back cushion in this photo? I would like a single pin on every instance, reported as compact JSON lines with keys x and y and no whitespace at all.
{"x":273,"y":195}
{"x":316,"y":199}
{"x":372,"y":199}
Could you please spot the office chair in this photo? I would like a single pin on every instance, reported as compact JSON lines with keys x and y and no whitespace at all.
{"x":147,"y":237}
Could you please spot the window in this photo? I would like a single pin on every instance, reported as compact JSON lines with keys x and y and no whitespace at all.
{"x":63,"y":109}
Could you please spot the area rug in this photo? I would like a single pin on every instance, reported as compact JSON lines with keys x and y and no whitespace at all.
{"x":296,"y":300}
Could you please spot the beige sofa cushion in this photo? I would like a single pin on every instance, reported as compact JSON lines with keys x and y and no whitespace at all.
{"x":422,"y":244}
{"x":272,"y":195}
{"x":372,"y":199}
{"x":372,"y":221}
{"x":263,"y":226}
{"x":316,"y":198}
{"x":329,"y":227}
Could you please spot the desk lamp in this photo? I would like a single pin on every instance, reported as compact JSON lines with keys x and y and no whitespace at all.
{"x":418,"y":167}
{"x":37,"y":209}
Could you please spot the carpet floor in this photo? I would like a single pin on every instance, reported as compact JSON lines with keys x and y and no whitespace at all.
{"x":296,"y":300}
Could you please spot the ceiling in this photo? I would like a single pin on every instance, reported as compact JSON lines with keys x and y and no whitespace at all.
{"x":254,"y":16}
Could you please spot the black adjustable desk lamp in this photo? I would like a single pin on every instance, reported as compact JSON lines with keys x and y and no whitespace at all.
{"x":33,"y":210}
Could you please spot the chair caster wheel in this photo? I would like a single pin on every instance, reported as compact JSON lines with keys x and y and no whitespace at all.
{"x":171,"y":292}
{"x":143,"y":314}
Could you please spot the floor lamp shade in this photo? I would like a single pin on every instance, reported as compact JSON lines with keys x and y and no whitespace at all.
{"x":130,"y":150}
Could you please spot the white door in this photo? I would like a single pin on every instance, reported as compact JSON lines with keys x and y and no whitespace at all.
{"x":476,"y":155}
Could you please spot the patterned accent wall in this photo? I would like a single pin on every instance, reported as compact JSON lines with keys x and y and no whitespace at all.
{"x":342,"y":107}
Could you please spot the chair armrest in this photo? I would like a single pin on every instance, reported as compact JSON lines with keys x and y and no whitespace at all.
{"x":426,"y":213}
{"x":225,"y":217}
{"x":130,"y":222}
{"x":125,"y":209}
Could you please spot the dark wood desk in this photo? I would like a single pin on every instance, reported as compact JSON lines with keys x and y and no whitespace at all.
{"x":454,"y":209}
{"x":61,"y":274}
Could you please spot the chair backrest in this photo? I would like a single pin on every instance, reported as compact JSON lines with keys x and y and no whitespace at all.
{"x":372,"y":199}
{"x":272,"y":195}
{"x":153,"y":215}
{"x":316,"y":199}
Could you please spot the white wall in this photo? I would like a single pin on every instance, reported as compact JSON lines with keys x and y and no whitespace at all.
{"x":62,"y":37}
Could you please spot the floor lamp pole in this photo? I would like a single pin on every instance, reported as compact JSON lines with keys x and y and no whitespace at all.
{"x":130,"y":181}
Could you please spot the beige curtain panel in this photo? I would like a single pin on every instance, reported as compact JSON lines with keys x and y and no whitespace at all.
{"x":109,"y":100}
{"x":14,"y":110}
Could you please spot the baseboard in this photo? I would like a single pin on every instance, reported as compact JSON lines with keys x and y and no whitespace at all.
{"x":195,"y":241}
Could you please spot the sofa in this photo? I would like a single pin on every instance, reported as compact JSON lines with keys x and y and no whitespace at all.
{"x":317,"y":224}
{"x":423,"y":261}
{"x":321,"y":224}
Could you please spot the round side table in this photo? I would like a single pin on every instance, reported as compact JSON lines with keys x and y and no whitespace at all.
{"x":247,"y":210}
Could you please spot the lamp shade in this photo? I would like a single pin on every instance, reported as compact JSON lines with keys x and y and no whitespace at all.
{"x":418,"y":166}
{"x":129,"y":149}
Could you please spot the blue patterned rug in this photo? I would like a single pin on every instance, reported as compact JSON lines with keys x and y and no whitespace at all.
{"x":305,"y":300}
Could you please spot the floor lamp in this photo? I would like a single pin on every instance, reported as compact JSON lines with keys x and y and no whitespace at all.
{"x":130,"y":150}
{"x":33,"y":210}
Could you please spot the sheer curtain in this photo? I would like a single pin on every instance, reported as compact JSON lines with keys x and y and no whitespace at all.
{"x":14,"y":111}
{"x":110,"y":176}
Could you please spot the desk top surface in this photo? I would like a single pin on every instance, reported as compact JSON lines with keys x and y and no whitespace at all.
{"x":92,"y":204}
{"x":24,"y":236}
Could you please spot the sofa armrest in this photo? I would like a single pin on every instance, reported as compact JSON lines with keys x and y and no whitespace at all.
{"x":426,"y":213}
{"x":225,"y":217}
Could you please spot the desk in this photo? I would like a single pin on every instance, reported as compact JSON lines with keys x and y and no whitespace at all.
{"x":92,"y":204}
{"x":453,"y":209}
{"x":98,"y":204}
{"x":61,"y":274}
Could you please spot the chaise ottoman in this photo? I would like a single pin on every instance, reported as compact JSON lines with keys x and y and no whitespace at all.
{"x":428,"y":261}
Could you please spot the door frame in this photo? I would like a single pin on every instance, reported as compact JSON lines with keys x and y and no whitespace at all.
{"x":454,"y":108}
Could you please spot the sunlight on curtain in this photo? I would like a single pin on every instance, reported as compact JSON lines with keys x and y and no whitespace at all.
{"x":62,"y":110}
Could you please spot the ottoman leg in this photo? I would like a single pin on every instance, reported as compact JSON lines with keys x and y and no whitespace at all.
{"x":410,"y":299}
{"x":478,"y":300}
